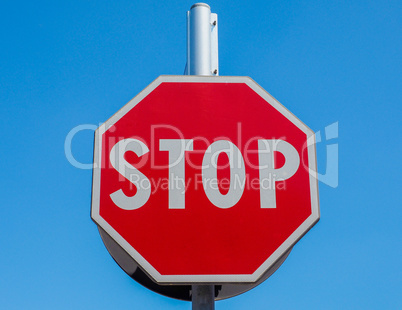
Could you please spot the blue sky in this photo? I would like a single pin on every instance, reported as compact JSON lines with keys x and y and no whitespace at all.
{"x":69,"y":63}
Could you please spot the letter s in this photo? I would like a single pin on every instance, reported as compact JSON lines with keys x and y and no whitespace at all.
{"x":130,"y":173}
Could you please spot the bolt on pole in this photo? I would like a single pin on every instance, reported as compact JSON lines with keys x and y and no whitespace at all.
{"x":202,"y":59}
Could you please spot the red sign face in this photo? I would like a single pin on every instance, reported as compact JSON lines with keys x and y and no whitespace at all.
{"x":205,"y":179}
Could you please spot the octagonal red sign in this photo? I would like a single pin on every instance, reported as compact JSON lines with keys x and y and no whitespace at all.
{"x":205,"y":179}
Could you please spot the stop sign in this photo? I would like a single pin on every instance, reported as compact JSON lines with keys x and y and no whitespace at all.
{"x":205,"y":180}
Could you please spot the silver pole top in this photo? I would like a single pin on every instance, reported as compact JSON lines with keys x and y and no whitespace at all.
{"x":200,"y":4}
{"x":202,"y":41}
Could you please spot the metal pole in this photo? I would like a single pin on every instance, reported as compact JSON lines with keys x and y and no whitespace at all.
{"x":202,"y":59}
{"x":202,"y":41}
{"x":203,"y":297}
